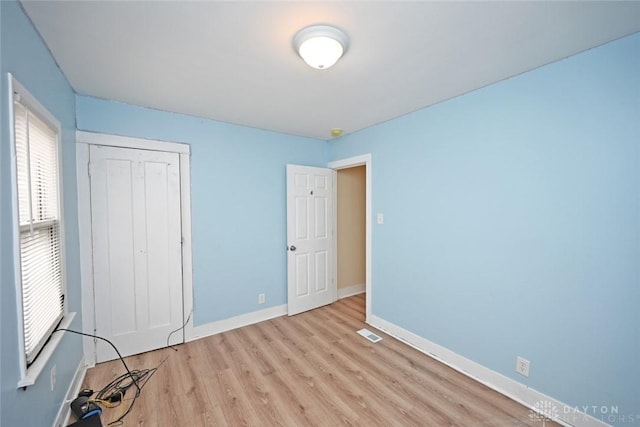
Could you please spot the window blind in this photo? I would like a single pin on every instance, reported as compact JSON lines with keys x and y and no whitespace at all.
{"x":38,"y":212}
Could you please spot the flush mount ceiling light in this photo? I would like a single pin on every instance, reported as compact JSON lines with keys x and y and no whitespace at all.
{"x":320,"y":45}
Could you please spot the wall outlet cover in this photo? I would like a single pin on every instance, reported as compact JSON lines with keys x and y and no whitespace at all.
{"x":522,"y":366}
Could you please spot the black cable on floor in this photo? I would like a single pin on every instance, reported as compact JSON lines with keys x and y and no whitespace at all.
{"x":111,"y":344}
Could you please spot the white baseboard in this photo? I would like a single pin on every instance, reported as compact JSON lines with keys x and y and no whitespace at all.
{"x":350,"y":291}
{"x":213,"y":328}
{"x":554,"y":409}
{"x":62,"y":419}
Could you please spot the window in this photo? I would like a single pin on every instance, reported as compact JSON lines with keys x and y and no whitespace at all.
{"x":40,"y":274}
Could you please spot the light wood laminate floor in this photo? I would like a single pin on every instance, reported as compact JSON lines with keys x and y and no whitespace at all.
{"x":311,"y":369}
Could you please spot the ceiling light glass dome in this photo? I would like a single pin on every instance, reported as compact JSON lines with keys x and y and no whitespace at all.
{"x":320,"y":46}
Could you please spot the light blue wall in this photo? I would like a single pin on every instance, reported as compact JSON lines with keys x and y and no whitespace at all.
{"x":238,"y":200}
{"x":25,"y":56}
{"x":512,"y":225}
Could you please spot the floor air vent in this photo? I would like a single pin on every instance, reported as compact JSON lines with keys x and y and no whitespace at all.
{"x":369,"y":335}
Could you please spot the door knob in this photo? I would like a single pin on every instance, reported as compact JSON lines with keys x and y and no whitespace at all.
{"x":292,"y":248}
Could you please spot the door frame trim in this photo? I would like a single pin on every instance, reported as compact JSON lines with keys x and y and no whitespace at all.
{"x":83,"y":142}
{"x":362,"y":160}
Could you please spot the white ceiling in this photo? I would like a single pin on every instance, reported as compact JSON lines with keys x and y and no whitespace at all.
{"x":234,"y":62}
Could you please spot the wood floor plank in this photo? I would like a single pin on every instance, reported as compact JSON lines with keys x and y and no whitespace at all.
{"x":392,"y":406}
{"x":367,"y":407}
{"x":315,"y":401}
{"x":257,"y":389}
{"x":311,"y":369}
{"x":326,"y":392}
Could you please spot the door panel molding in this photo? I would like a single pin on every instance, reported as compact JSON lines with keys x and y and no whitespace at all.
{"x":311,"y":273}
{"x":83,"y":142}
{"x":137,"y":248}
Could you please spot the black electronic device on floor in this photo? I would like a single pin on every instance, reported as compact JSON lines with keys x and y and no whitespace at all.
{"x":86,"y":411}
{"x":91,"y":421}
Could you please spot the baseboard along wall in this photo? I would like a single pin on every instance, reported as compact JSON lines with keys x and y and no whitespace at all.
{"x":237,"y":322}
{"x":541,"y":406}
{"x":224,"y":325}
{"x":64,"y":413}
{"x":350,"y":291}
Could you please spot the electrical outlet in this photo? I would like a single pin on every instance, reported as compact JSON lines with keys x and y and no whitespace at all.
{"x":53,"y":378}
{"x":522,"y":366}
{"x":261,"y":299}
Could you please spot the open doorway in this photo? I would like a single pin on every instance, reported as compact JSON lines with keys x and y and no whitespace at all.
{"x":351,"y":243}
{"x":353,"y":225}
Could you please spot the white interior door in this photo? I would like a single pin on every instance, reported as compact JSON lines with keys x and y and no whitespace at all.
{"x":310,"y":238}
{"x":137,"y":257}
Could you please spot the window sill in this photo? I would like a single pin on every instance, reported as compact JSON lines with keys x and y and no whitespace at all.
{"x":30,"y":377}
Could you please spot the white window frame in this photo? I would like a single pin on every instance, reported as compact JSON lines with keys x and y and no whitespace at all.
{"x":30,"y":373}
